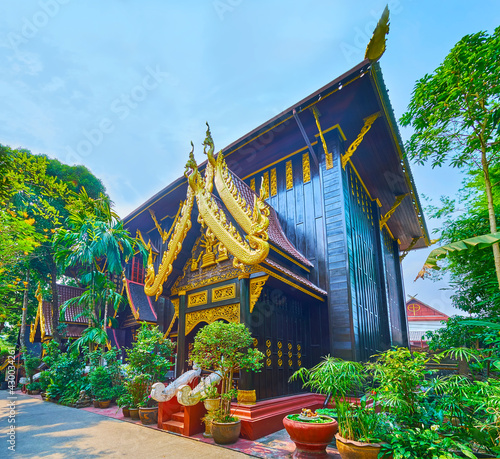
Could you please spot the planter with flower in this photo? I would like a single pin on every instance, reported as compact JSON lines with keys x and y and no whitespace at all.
{"x":358,"y":424}
{"x":225,"y":348}
{"x":148,"y":362}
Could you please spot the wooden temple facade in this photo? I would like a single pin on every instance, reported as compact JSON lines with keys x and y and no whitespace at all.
{"x":297,"y":230}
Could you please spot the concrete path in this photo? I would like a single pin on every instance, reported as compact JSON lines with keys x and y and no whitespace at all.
{"x":46,"y":430}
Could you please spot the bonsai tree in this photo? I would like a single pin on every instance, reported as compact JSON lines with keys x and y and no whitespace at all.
{"x":225,"y":348}
{"x":148,"y":362}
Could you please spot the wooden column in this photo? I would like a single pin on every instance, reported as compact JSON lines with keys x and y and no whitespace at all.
{"x":181,"y":337}
{"x":246,"y":377}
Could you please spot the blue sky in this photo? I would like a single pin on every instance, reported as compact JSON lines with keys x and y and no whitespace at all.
{"x":122,"y":86}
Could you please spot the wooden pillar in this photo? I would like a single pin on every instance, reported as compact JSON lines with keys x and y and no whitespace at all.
{"x":246,"y":377}
{"x":181,"y":337}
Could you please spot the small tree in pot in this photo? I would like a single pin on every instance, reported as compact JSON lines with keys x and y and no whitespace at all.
{"x":225,"y":348}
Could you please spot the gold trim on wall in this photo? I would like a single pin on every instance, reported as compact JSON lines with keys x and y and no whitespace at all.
{"x":225,"y":292}
{"x":289,"y":175}
{"x":230,"y":312}
{"x":306,"y":168}
{"x":274,"y":182}
{"x":256,"y":286}
{"x":197,"y":299}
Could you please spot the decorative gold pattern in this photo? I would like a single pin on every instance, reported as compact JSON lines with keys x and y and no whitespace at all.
{"x":265,"y":182}
{"x":280,"y":362}
{"x":230,"y":312}
{"x":274,"y":182}
{"x":224,"y":293}
{"x":268,"y":352}
{"x":388,"y":215}
{"x":328,"y":156}
{"x":280,"y":354}
{"x":39,"y":317}
{"x":407,"y":251}
{"x":164,"y":234}
{"x":268,"y":343}
{"x":280,"y":345}
{"x":306,"y":168}
{"x":255,"y":342}
{"x":268,"y":362}
{"x":352,"y":148}
{"x":376,"y":45}
{"x":175,"y":302}
{"x":255,"y":247}
{"x":256,"y":286}
{"x":197,"y":299}
{"x":153,"y":284}
{"x":289,"y":175}
{"x":252,"y":184}
{"x":290,"y":363}
{"x":299,"y":347}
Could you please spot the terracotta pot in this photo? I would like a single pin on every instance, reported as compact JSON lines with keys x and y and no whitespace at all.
{"x":350,"y":449}
{"x":95,"y":403}
{"x":225,"y":433}
{"x":104,"y":403}
{"x":247,"y":397}
{"x":33,"y":392}
{"x":148,"y":415}
{"x":134,"y":412}
{"x":126,"y":412}
{"x":310,"y":439}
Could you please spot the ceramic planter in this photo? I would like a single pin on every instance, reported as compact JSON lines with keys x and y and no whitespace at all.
{"x":310,"y":439}
{"x":148,"y":415}
{"x":225,"y":433}
{"x":350,"y":449}
{"x":134,"y":413}
{"x":211,"y":404}
{"x":104,"y":403}
{"x":126,"y":412}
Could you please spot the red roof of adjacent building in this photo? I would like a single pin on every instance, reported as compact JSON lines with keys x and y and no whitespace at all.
{"x":417,"y":310}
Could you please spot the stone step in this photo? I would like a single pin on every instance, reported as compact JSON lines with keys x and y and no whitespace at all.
{"x":178,"y":416}
{"x":174,"y":426}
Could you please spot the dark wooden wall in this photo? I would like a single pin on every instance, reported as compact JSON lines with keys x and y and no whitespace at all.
{"x":291,"y":333}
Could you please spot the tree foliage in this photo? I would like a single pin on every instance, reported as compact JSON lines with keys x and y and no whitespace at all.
{"x":455,"y":113}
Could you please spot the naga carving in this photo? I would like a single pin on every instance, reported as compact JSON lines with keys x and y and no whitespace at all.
{"x":188,"y":397}
{"x":254,"y":220}
{"x":254,"y":249}
{"x":153,"y":284}
{"x":160,"y":393}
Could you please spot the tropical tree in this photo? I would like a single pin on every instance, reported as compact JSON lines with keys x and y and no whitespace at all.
{"x":96,"y":245}
{"x":455,"y":113}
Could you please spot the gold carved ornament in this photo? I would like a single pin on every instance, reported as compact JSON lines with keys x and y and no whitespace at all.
{"x":253,"y":220}
{"x":197,"y":299}
{"x":153,"y":283}
{"x":39,"y":316}
{"x":230,"y":312}
{"x":306,"y":168}
{"x":255,"y":247}
{"x":289,"y":175}
{"x":226,"y":292}
{"x":390,"y":212}
{"x":175,"y":302}
{"x":410,"y":247}
{"x":353,"y":147}
{"x":256,"y":286}
{"x":274,"y":182}
{"x":376,"y":45}
{"x":328,"y":156}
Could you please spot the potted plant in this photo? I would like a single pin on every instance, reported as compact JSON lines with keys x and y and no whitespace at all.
{"x":101,"y":386}
{"x":311,"y":433}
{"x":34,"y":388}
{"x":148,"y":362}
{"x":225,"y":348}
{"x":356,"y":422}
{"x":136,"y":388}
{"x":211,"y":401}
{"x":125,"y":401}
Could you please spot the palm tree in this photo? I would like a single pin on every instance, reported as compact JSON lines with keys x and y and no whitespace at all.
{"x":97,"y":245}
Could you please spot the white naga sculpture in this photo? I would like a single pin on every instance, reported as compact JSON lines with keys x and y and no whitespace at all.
{"x":185,"y":396}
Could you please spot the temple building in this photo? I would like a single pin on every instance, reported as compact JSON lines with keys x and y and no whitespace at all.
{"x":421,"y":319}
{"x":297,"y":230}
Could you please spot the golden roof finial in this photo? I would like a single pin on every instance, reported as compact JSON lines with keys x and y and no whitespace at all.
{"x":376,"y":46}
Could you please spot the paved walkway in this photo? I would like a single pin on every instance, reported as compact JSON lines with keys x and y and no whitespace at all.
{"x":50,"y":431}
